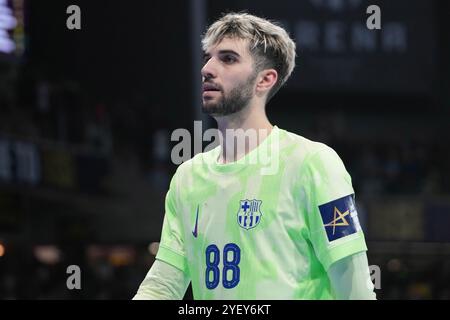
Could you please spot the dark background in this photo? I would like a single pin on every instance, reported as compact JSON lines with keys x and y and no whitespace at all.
{"x":86,"y":117}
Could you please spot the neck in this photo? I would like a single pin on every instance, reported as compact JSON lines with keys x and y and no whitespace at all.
{"x":249,"y":125}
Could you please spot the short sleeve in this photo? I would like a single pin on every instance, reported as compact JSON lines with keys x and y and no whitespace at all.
{"x":331,"y":215}
{"x":172,"y":245}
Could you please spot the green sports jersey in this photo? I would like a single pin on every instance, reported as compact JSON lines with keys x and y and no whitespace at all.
{"x":242,"y":232}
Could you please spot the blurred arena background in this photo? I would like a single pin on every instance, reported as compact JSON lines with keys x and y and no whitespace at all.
{"x":86,"y":117}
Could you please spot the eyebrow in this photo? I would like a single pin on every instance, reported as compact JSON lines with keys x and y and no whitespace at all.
{"x":223,"y":52}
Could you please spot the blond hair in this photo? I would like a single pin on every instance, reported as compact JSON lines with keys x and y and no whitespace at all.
{"x":269,"y":44}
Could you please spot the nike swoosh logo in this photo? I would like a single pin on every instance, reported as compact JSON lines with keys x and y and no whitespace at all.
{"x":194,"y":233}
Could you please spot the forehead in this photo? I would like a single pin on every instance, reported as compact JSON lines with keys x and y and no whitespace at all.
{"x":240,"y":46}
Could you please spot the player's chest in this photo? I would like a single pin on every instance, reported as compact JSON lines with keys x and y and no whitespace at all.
{"x":239,"y":212}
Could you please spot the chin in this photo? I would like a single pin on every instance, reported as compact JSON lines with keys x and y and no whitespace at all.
{"x":209,"y":106}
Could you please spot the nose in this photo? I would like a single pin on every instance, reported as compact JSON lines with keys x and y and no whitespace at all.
{"x":209,"y":71}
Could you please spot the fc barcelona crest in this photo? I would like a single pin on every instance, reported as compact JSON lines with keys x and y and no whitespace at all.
{"x":249,"y":214}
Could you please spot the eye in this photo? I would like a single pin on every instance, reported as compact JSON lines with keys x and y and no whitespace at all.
{"x":229,"y":58}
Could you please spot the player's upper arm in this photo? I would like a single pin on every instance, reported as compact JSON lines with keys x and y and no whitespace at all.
{"x":163,"y":282}
{"x":331,"y":215}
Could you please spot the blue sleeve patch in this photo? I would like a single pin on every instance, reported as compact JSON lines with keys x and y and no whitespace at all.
{"x":340,"y":218}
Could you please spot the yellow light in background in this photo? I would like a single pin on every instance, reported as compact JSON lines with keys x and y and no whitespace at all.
{"x":121,"y":256}
{"x":2,"y":250}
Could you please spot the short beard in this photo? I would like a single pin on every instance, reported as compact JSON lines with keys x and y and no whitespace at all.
{"x":238,"y":98}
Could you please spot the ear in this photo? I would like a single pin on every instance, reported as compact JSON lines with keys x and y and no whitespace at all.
{"x":265,"y":81}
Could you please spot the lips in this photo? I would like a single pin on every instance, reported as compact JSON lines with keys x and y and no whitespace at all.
{"x":210,"y":87}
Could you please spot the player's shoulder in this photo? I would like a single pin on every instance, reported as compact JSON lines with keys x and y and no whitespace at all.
{"x":304,"y":147}
{"x":313,"y":157}
{"x":200,"y":161}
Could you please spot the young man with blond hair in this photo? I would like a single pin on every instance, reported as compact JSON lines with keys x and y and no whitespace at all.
{"x":236,"y":232}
